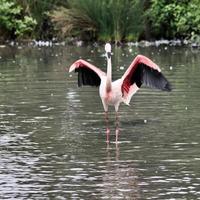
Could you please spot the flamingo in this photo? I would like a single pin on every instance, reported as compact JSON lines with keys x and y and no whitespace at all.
{"x":142,"y":71}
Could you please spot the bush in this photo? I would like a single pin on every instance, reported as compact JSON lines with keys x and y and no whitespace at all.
{"x":177,"y":19}
{"x":38,"y":9}
{"x":12,"y":20}
{"x":105,"y":20}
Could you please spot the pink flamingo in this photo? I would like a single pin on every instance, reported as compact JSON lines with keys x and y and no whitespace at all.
{"x":141,"y":71}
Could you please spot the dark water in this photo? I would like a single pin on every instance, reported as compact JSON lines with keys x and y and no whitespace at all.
{"x":52,"y":133}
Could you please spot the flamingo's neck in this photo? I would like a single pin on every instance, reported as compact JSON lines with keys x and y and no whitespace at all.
{"x":109,"y":75}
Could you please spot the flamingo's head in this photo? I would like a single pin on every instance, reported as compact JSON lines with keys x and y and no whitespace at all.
{"x":108,"y":49}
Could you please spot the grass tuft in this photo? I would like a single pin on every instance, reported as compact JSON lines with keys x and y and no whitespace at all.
{"x":105,"y":20}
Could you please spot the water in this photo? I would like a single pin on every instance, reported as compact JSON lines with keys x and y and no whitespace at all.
{"x":52,"y":133}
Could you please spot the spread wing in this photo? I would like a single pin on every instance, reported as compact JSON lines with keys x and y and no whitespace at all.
{"x":143,"y":71}
{"x":88,"y":74}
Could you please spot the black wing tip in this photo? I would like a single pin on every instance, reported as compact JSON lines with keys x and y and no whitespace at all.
{"x":87,"y":77}
{"x":168,"y":87}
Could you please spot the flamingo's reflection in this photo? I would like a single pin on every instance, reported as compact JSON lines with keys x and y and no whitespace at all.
{"x":120,"y":180}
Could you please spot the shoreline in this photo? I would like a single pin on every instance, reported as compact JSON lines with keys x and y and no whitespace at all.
{"x":79,"y":43}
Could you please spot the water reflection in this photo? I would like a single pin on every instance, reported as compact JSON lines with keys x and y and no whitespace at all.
{"x":52,"y":133}
{"x":120,"y":180}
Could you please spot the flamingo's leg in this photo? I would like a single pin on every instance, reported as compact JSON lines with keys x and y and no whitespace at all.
{"x":107,"y":127}
{"x":107,"y":121}
{"x":117,"y":127}
{"x":117,"y":122}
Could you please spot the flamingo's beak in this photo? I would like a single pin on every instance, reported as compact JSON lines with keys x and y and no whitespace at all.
{"x":109,"y":54}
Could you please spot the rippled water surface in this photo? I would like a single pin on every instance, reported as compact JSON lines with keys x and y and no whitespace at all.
{"x":52,"y":133}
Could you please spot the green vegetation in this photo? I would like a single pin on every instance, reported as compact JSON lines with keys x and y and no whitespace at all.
{"x":100,"y":20}
{"x":177,"y":19}
{"x":38,"y":9}
{"x":105,"y":20}
{"x":13,"y":21}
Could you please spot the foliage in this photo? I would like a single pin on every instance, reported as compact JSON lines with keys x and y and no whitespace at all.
{"x":104,"y":20}
{"x":12,"y":20}
{"x":175,"y":18}
{"x":69,"y":22}
{"x":39,"y":9}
